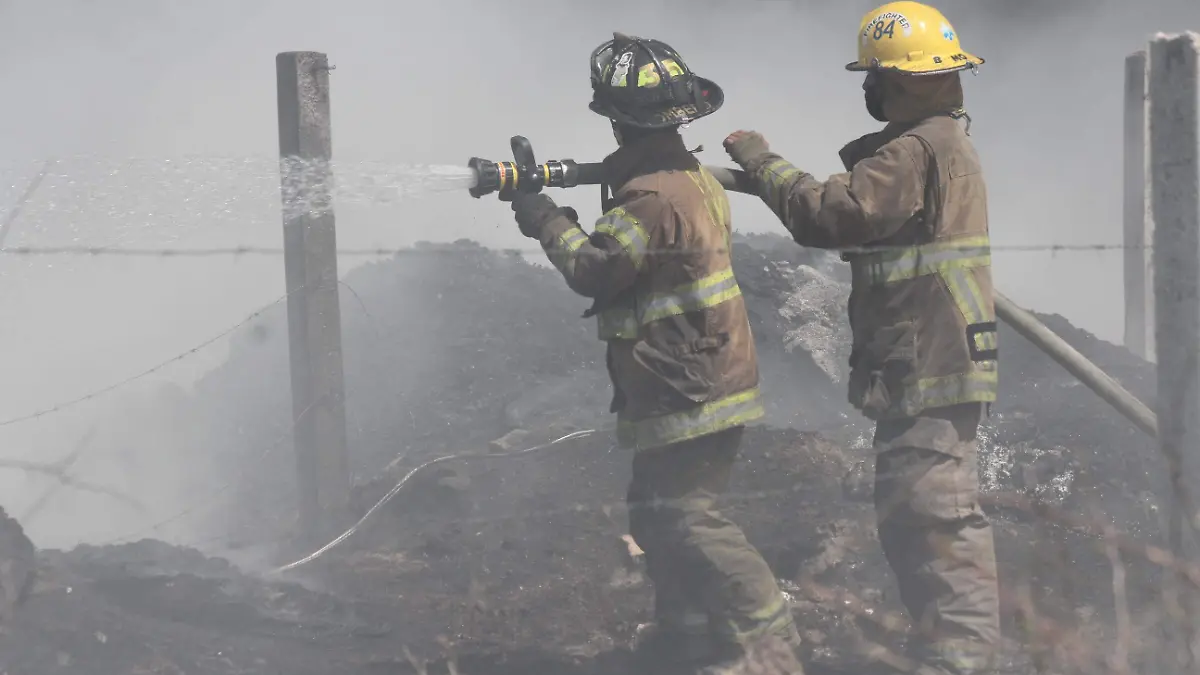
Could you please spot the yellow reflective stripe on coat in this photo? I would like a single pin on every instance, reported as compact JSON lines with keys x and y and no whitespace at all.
{"x":702,"y":294}
{"x":622,"y":323}
{"x":910,"y":262}
{"x":720,"y":201}
{"x":979,"y":386}
{"x":627,"y":230}
{"x":775,"y":618}
{"x":708,"y":418}
{"x":565,"y":250}
{"x":715,"y":202}
{"x":955,"y":261}
{"x":774,"y":178}
{"x":708,"y":200}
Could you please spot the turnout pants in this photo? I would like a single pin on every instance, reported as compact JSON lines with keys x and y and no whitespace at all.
{"x":707,"y":578}
{"x":936,"y":537}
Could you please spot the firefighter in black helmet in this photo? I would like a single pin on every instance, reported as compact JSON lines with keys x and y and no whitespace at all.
{"x":644,"y":84}
{"x":680,"y":355}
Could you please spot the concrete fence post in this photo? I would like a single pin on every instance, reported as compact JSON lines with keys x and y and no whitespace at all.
{"x":314,"y":317}
{"x":1138,"y":223}
{"x":1174,"y":79}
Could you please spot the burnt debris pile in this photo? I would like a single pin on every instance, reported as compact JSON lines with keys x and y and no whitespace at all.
{"x":518,"y":564}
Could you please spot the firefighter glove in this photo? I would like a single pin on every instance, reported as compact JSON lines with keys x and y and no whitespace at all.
{"x":533,"y":211}
{"x":744,"y":147}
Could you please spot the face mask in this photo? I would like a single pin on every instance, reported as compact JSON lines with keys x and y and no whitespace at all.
{"x":873,"y":96}
{"x":617,"y":135}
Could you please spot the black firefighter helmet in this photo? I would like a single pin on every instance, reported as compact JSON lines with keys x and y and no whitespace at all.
{"x":644,"y":83}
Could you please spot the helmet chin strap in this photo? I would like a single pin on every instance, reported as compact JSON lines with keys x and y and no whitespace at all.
{"x":617,"y":134}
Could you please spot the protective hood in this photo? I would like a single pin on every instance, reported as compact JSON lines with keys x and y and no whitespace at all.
{"x":911,"y":98}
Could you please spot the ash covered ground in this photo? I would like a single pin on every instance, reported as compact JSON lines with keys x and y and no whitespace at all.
{"x":516,"y":565}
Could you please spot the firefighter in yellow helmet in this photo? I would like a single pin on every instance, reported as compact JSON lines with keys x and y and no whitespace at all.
{"x":910,"y":216}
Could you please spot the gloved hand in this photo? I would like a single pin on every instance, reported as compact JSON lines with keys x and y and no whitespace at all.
{"x":746,"y":146}
{"x":533,"y":211}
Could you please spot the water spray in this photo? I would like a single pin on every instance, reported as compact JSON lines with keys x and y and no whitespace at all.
{"x":524,"y":174}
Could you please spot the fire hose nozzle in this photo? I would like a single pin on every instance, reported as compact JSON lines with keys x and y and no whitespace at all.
{"x":488,"y":176}
{"x":522,"y":175}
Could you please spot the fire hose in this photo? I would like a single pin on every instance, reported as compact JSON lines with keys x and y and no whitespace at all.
{"x":408,"y":476}
{"x":524,"y":174}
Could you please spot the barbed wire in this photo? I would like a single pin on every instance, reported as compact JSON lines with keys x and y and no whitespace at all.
{"x":212,"y":498}
{"x":145,"y":373}
{"x":236,"y":251}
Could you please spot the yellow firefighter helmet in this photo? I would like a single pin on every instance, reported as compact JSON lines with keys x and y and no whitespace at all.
{"x":911,"y":38}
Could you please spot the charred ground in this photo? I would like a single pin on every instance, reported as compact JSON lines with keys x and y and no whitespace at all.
{"x":516,"y":565}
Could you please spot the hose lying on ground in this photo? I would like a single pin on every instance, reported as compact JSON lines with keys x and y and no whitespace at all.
{"x":395,"y":490}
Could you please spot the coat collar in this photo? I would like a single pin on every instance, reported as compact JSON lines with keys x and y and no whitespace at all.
{"x":646,"y":155}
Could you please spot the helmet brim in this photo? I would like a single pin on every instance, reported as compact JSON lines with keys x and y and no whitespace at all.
{"x":710,"y":98}
{"x":923,"y":67}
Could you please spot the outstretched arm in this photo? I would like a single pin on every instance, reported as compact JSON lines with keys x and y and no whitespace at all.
{"x":866,"y":204}
{"x":607,"y":261}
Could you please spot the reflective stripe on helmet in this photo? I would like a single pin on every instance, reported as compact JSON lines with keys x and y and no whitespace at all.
{"x":648,"y":75}
{"x":708,"y":418}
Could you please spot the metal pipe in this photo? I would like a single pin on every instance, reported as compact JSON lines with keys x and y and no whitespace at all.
{"x":1077,"y":364}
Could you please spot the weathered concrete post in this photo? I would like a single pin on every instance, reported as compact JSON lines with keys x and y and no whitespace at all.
{"x":1175,"y":203}
{"x":314,"y":318}
{"x":1138,"y":223}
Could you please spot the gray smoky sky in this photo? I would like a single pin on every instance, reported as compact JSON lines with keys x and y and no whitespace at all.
{"x":114,"y":89}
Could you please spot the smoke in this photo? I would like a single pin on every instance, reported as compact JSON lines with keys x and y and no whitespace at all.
{"x":97,"y":84}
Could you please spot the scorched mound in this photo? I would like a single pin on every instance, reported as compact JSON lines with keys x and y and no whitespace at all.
{"x":517,"y":565}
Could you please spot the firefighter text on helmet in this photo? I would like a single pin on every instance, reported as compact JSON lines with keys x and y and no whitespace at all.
{"x":909,"y":38}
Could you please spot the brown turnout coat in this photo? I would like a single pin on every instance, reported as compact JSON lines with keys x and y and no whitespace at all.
{"x":657,"y":264}
{"x":910,"y":215}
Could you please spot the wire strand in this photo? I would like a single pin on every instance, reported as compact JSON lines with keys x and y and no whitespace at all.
{"x":236,"y":251}
{"x":145,"y":373}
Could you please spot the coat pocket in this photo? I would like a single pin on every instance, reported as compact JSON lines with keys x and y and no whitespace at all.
{"x":686,"y":368}
{"x":883,"y":370}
